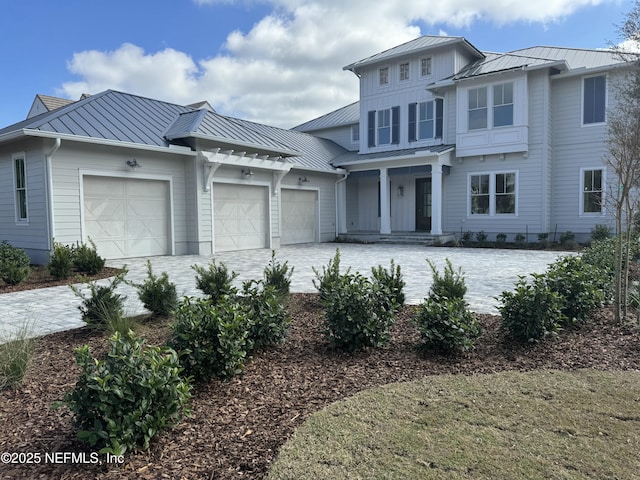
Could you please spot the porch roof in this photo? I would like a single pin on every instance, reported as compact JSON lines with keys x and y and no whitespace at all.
{"x":354,"y":158}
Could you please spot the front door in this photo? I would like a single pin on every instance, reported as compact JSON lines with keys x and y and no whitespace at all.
{"x":423,"y":204}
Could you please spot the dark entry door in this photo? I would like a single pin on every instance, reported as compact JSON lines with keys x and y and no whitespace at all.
{"x":423,"y":204}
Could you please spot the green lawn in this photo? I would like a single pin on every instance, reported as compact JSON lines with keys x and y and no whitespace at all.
{"x":538,"y":425}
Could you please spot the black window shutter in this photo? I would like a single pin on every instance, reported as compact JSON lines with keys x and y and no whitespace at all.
{"x":371,"y":128}
{"x":395,"y":125}
{"x":413,"y":107}
{"x":439,"y":117}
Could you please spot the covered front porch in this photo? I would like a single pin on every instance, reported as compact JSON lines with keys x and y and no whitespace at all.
{"x":395,"y":195}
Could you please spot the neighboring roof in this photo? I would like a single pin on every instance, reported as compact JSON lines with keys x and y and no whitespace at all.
{"x":426,"y":42}
{"x":355,"y":158}
{"x":53,"y":103}
{"x":343,"y":116}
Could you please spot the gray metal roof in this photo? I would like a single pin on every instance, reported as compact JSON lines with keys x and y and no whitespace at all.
{"x":355,"y":158}
{"x":343,"y":116}
{"x":423,"y":43}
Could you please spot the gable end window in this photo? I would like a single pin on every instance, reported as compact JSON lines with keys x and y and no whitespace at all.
{"x":384,"y":76}
{"x":383,"y":127}
{"x":355,"y":133}
{"x":20,"y":184}
{"x":592,"y":193}
{"x":594,"y":99}
{"x":425,"y":67}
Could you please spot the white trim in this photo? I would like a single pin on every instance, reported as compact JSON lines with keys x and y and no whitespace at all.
{"x":125,"y":175}
{"x":18,"y":220}
{"x":492,"y":194}
{"x":603,"y":182}
{"x":606,"y":100}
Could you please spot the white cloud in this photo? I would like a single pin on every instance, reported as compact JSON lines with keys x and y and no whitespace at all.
{"x":288,"y":68}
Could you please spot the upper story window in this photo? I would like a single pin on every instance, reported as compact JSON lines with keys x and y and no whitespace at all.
{"x":477,"y":108}
{"x":426,"y":120}
{"x":425,"y":66}
{"x":492,"y":193}
{"x":384,"y":76}
{"x":20,"y":184}
{"x":355,"y":133}
{"x":594,"y":100}
{"x":383,"y":126}
{"x":404,"y":71}
{"x":503,"y":105}
{"x":592,"y":200}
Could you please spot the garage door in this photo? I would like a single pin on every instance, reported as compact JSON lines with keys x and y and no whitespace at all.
{"x":127,"y":217}
{"x":240,"y":217}
{"x":299,"y":216}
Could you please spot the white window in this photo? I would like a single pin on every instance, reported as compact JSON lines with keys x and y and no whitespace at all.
{"x":592,"y":199}
{"x":20,"y":184}
{"x":384,"y":127}
{"x":355,"y":133}
{"x":425,"y":67}
{"x":493,"y":193}
{"x":503,"y":105}
{"x":404,"y":71}
{"x":594,"y":99}
{"x":477,"y":108}
{"x":384,"y":76}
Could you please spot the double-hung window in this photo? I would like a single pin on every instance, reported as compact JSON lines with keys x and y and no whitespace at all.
{"x":594,"y":99}
{"x":20,"y":184}
{"x":383,"y":126}
{"x":492,"y":193}
{"x":425,"y":67}
{"x":503,"y":105}
{"x":426,"y":120}
{"x":404,"y":71}
{"x":592,"y":199}
{"x":384,"y":76}
{"x":477,"y":108}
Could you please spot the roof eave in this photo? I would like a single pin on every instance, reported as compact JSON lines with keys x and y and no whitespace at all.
{"x":227,"y":141}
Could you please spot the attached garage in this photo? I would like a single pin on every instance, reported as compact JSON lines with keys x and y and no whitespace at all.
{"x":127,"y":217}
{"x":241,"y":217}
{"x":299,"y":216}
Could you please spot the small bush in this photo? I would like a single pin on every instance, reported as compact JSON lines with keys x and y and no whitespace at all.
{"x":449,"y":285}
{"x":215,"y":281}
{"x":211,"y":339}
{"x":543,"y":239}
{"x":600,"y":232}
{"x":358,"y":313}
{"x":501,"y":238}
{"x":122,"y":401}
{"x":467,"y":236}
{"x":61,"y":261}
{"x":16,"y":352}
{"x":326,"y":281}
{"x":157,"y":294}
{"x":520,"y":239}
{"x":278,"y":275}
{"x":568,"y":239}
{"x":103,"y":306}
{"x":481,"y":237}
{"x":14,"y":264}
{"x":87,"y":260}
{"x":390,"y":279}
{"x":267,"y":314}
{"x":446,"y":324}
{"x":531,"y":312}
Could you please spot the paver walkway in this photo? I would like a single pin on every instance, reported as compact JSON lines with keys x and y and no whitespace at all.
{"x":487,"y":273}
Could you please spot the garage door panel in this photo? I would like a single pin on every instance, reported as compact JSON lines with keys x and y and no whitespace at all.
{"x":299,"y":216}
{"x":127,"y":217}
{"x":240,"y":217}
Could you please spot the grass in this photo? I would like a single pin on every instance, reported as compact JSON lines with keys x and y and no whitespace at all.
{"x":16,"y":352}
{"x":545,"y":424}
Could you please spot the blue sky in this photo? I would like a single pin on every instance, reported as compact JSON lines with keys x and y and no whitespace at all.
{"x":272,"y":61}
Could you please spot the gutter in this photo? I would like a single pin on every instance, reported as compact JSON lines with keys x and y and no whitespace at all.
{"x":49,"y":196}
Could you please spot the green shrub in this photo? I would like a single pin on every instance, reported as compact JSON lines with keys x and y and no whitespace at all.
{"x":449,"y":285}
{"x":215,"y":281}
{"x":325,"y":282}
{"x":14,"y":264}
{"x":567,"y":239}
{"x":16,"y":352}
{"x":600,"y":232}
{"x":86,"y":258}
{"x":267,"y":314}
{"x":103,"y":305}
{"x":481,"y":237}
{"x":520,"y":239}
{"x":582,"y":288}
{"x":531,"y":312}
{"x":61,"y":261}
{"x":543,"y":239}
{"x":501,"y":238}
{"x":278,"y":275}
{"x":122,"y":401}
{"x":211,"y":339}
{"x":157,"y":294}
{"x":467,"y":236}
{"x":392,"y":280}
{"x":358,"y":313}
{"x":446,"y":324}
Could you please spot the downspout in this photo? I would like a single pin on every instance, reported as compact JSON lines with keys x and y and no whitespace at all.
{"x":49,"y":195}
{"x":340,"y":180}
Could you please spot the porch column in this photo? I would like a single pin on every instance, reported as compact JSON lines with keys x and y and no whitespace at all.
{"x":385,"y":210}
{"x":436,"y":199}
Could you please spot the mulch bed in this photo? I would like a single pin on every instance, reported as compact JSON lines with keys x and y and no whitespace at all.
{"x":40,"y":278}
{"x":237,"y":427}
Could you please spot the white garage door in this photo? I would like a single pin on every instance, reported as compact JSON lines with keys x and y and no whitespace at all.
{"x":240,"y":217}
{"x":127,"y":217}
{"x":299,"y":216}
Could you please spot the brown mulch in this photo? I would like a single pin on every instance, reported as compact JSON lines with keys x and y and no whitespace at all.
{"x":40,"y":278}
{"x":237,"y":427}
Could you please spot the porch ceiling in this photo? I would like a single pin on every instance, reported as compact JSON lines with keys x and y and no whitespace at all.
{"x":441,"y":154}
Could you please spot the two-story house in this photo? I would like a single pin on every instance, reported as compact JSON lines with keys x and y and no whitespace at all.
{"x":449,"y":139}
